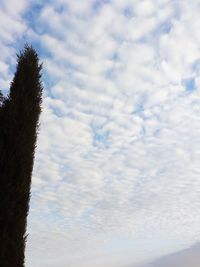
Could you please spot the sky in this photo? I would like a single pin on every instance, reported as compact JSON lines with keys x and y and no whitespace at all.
{"x":116,"y":179}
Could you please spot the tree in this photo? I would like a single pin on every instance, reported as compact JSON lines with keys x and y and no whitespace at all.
{"x":1,"y":98}
{"x":19,"y":115}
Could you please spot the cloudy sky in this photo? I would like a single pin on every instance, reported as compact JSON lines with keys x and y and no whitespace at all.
{"x":117,"y":172}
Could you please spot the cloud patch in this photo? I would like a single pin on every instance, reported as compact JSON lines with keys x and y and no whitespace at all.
{"x":118,"y":152}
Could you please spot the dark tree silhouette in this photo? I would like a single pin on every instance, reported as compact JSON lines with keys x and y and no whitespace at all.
{"x":19,"y":114}
{"x":1,"y":98}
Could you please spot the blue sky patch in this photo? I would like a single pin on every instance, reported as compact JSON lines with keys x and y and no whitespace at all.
{"x":189,"y":84}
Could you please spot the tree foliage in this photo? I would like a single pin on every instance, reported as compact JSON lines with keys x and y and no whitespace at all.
{"x":19,"y":114}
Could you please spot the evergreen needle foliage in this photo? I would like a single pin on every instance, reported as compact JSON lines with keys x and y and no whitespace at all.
{"x":19,"y":114}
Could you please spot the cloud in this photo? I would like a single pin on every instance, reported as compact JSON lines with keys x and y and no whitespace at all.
{"x":118,"y":151}
{"x":12,"y":29}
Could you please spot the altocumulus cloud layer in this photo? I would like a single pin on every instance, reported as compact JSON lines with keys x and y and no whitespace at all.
{"x":116,"y":176}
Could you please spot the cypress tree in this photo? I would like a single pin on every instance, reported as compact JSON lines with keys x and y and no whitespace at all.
{"x":19,"y":114}
{"x":1,"y":98}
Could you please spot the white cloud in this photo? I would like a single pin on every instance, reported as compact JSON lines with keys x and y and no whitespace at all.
{"x":12,"y":28}
{"x":118,"y":152}
{"x":120,"y":133}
